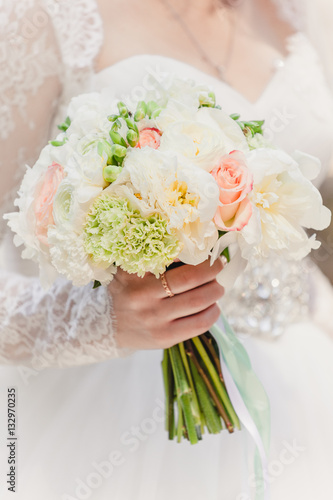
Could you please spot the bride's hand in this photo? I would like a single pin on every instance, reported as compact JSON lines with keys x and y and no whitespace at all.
{"x":146,"y":318}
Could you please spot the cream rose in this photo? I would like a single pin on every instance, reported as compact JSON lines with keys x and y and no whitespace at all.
{"x":235,"y":182}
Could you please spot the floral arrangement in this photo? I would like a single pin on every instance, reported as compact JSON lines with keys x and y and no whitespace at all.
{"x":175,"y":178}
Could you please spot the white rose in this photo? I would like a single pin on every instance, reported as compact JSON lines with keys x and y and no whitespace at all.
{"x":90,"y":111}
{"x":205,"y":138}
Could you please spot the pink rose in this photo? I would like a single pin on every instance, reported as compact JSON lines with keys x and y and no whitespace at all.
{"x":149,"y":137}
{"x":44,"y":201}
{"x":235,"y":182}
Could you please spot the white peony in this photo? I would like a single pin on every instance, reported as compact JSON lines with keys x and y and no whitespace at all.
{"x":284,"y":202}
{"x":185,"y":195}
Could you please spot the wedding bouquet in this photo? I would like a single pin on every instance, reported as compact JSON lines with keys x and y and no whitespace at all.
{"x":173,"y":178}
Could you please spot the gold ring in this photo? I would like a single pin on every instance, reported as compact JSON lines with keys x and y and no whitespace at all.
{"x":166,"y":286}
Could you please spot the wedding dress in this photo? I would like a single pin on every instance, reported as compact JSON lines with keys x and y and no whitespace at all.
{"x":97,"y":430}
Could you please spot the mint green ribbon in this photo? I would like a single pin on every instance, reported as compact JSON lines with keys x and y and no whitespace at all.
{"x":248,"y":396}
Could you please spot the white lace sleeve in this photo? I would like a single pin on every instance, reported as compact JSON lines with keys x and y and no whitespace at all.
{"x":66,"y":325}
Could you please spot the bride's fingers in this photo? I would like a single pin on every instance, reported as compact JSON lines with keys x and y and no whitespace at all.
{"x":191,"y":326}
{"x":193,"y":301}
{"x":179,"y":280}
{"x":184,"y":278}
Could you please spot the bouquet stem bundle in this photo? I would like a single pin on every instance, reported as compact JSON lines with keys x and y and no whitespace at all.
{"x":194,"y":384}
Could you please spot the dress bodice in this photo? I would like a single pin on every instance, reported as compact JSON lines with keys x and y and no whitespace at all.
{"x":297,"y":105}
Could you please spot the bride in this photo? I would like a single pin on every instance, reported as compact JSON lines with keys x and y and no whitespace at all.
{"x":86,"y":364}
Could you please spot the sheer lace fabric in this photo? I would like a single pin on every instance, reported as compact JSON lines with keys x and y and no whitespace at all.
{"x":64,"y":326}
{"x":42,"y":47}
{"x":29,"y":88}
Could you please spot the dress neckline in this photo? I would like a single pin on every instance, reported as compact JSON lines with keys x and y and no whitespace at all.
{"x":290,"y":44}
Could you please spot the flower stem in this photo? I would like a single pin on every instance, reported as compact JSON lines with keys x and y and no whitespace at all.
{"x":219,"y":386}
{"x":209,"y":344}
{"x":180,"y":422}
{"x":212,"y":418}
{"x":196,"y":408}
{"x":169,"y":394}
{"x":184,"y":392}
{"x":219,"y":405}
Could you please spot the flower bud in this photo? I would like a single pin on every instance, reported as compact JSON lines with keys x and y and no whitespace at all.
{"x":132,"y":138}
{"x":112,"y":118}
{"x":111,"y":172}
{"x":141,"y":111}
{"x":122,"y":109}
{"x":153,"y":109}
{"x":131,"y":125}
{"x":116,"y":138}
{"x":247,"y":132}
{"x":207,"y":100}
{"x":119,"y":151}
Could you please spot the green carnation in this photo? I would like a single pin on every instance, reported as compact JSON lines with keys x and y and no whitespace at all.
{"x":117,"y":233}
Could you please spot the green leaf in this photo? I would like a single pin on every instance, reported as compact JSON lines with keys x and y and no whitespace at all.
{"x":96,"y":284}
{"x":58,"y":143}
{"x":226,"y":254}
{"x":116,"y":125}
{"x":64,"y":126}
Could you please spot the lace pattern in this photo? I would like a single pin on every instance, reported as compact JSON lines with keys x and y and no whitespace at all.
{"x":21,"y":72}
{"x":44,"y":43}
{"x":78,"y":28}
{"x":64,"y":326}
